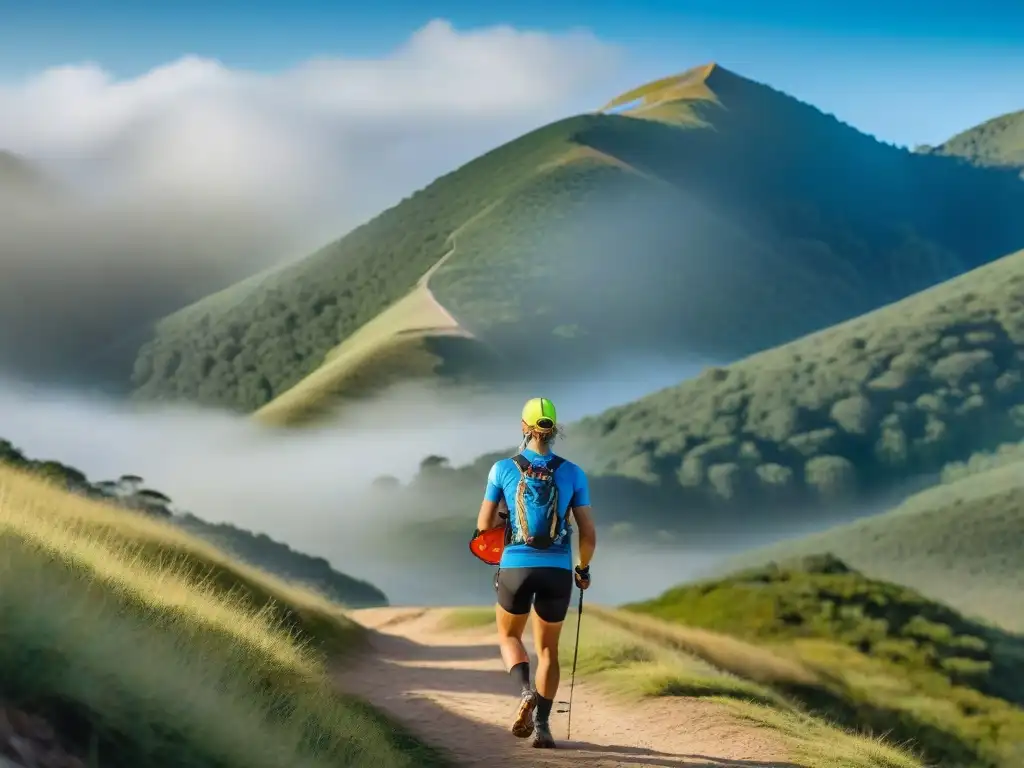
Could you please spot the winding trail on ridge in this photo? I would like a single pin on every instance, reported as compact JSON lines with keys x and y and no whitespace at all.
{"x":449,"y":688}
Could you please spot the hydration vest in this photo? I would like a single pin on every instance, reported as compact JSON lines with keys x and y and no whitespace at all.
{"x":534,"y":519}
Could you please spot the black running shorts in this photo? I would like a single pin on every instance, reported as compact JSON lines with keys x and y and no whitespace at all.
{"x":548,"y":590}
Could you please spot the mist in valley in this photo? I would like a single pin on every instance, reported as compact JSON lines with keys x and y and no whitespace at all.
{"x":310,"y":487}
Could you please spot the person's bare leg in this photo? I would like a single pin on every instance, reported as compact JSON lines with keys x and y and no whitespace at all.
{"x":545,"y":638}
{"x":510,"y":636}
{"x":510,"y":639}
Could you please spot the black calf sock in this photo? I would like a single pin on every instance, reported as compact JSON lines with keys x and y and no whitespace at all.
{"x":543,"y":708}
{"x":521,"y":673}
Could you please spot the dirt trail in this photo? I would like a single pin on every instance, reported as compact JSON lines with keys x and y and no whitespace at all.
{"x":449,"y":688}
{"x":423,"y":284}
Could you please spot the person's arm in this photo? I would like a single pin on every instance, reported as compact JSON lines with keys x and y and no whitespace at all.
{"x":488,"y":516}
{"x":588,"y":535}
{"x":581,"y":513}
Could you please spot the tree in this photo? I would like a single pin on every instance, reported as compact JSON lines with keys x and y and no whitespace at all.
{"x":147,"y":500}
{"x":155,"y":497}
{"x":433,"y":463}
{"x":129,"y":484}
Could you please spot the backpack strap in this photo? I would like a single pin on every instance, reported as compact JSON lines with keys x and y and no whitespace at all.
{"x":553,"y":465}
{"x":524,"y":463}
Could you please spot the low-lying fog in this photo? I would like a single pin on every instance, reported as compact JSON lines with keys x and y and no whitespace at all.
{"x":307,"y":487}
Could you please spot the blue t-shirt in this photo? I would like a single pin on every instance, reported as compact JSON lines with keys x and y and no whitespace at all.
{"x":573,"y":491}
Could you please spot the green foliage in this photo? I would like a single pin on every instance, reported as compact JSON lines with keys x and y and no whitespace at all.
{"x":820,"y":597}
{"x":769,"y":221}
{"x":855,"y":409}
{"x":889,"y":657}
{"x":278,"y":558}
{"x":996,"y":142}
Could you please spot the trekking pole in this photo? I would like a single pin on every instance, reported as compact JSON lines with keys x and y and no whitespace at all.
{"x":575,"y":655}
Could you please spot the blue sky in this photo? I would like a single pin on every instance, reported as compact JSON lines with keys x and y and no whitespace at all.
{"x":905,"y":75}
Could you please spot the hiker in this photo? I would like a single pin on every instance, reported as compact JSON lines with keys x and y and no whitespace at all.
{"x":541,"y":491}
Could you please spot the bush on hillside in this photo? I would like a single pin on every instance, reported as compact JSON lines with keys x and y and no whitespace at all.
{"x":889,"y":658}
{"x":819,"y":596}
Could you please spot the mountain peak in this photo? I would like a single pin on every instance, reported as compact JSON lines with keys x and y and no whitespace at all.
{"x":691,"y":85}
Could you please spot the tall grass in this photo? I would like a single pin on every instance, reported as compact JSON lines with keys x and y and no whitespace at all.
{"x":147,"y":647}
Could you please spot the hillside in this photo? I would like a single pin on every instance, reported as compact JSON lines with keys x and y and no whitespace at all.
{"x":884,"y":655}
{"x":998,"y":142}
{"x":858,"y":408}
{"x":728,"y":216}
{"x":960,"y":542}
{"x":258,"y":550}
{"x":127,"y":642}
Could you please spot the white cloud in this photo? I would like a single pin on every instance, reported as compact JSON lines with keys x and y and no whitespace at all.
{"x":196,"y":127}
{"x":195,"y":173}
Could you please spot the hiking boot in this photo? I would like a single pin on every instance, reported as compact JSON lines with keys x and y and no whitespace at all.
{"x":542,"y":738}
{"x":522,"y":727}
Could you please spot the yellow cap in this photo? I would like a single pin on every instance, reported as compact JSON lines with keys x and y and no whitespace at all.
{"x":539,"y":413}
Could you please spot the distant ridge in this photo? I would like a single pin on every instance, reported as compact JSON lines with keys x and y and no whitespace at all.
{"x":998,"y":142}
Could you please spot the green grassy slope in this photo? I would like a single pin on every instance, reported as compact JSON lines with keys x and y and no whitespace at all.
{"x":728,"y":218}
{"x":241,"y":348}
{"x":859,"y":407}
{"x":960,"y":542}
{"x":884,"y":656}
{"x":257,"y":550}
{"x":141,"y":645}
{"x":998,"y":142}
